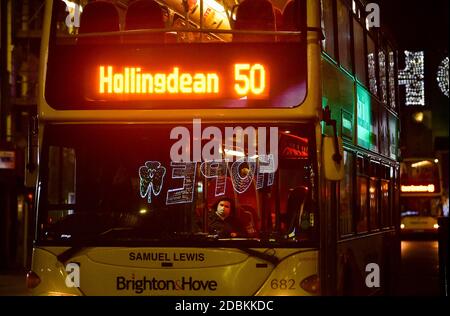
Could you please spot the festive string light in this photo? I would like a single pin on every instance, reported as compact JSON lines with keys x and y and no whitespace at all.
{"x":383,"y":79}
{"x":442,"y":76}
{"x":372,"y":74}
{"x":412,"y":77}
{"x":392,"y":81}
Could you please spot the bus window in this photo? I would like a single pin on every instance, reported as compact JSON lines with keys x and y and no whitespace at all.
{"x":144,"y":14}
{"x":328,"y":26}
{"x":362,"y":193}
{"x":385,"y":206}
{"x":360,"y":56}
{"x":61,"y":182}
{"x":373,"y":196}
{"x":254,"y":15}
{"x":97,"y":17}
{"x":346,"y":196}
{"x":344,"y":36}
{"x":126,"y":186}
{"x":216,"y":22}
{"x":291,"y":20}
{"x":157,"y":54}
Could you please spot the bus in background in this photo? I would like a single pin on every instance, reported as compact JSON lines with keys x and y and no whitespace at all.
{"x":215,"y":148}
{"x":421,"y":197}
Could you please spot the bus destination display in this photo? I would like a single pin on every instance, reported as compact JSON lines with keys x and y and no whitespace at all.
{"x":248,"y":80}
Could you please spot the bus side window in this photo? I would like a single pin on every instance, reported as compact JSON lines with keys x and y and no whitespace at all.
{"x":254,"y":15}
{"x":144,"y":14}
{"x":291,"y":20}
{"x":99,"y":16}
{"x":296,"y":205}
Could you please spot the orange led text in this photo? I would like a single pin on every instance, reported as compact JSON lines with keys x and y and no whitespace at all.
{"x":131,"y":80}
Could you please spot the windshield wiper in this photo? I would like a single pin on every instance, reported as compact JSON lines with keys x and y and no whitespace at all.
{"x":261,"y":255}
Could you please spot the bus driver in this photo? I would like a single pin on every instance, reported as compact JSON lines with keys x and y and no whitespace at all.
{"x":222,"y":219}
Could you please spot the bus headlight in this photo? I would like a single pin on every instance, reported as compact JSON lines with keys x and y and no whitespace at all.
{"x":311,"y":284}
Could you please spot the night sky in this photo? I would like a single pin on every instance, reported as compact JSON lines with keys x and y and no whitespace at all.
{"x":417,"y":24}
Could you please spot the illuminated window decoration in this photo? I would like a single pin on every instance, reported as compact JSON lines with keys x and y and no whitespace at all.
{"x":372,"y":74}
{"x":242,"y":173}
{"x":418,"y":188}
{"x":151,"y":179}
{"x":412,"y":77}
{"x":216,"y":170}
{"x":266,"y":165}
{"x":392,"y":97}
{"x":185,"y":194}
{"x":442,"y":76}
{"x":383,"y":78}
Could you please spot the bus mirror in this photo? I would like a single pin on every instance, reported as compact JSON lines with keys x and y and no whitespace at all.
{"x":333,"y":168}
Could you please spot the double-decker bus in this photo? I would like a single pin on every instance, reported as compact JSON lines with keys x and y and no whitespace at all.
{"x":215,"y":148}
{"x":421,"y":196}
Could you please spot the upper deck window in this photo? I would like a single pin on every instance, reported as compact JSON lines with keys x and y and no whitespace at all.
{"x":180,"y":21}
{"x":151,"y":54}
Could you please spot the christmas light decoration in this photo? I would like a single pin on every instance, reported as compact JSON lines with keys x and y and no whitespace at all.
{"x":392,"y":99}
{"x":372,"y":74}
{"x":442,"y":76}
{"x":412,"y":77}
{"x":383,"y":78}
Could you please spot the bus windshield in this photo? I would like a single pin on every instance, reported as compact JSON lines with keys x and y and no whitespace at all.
{"x":118,"y":183}
{"x":420,"y":176}
{"x":145,"y":54}
{"x":421,"y":206}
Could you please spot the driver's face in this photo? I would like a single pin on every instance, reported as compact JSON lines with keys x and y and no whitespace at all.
{"x":224,"y":209}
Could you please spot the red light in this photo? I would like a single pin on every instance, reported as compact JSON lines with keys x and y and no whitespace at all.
{"x":33,"y":280}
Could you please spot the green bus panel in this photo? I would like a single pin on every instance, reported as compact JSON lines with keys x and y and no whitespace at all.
{"x":393,"y":136}
{"x":338,"y":94}
{"x":367,"y":109}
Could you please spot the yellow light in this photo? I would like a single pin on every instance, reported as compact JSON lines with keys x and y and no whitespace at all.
{"x":230,"y":152}
{"x":214,"y":5}
{"x":435,"y":226}
{"x":418,"y":117}
{"x":402,"y":226}
{"x":143,"y":211}
{"x":418,"y":188}
{"x":436,"y":160}
{"x":421,"y":164}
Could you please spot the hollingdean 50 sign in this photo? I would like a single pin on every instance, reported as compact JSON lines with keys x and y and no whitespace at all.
{"x":136,"y":82}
